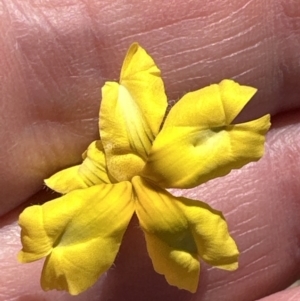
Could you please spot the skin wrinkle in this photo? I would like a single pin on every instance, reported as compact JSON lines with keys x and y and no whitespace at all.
{"x":253,"y":245}
{"x":246,"y":221}
{"x":185,"y":24}
{"x":242,"y":74}
{"x":191,"y":12}
{"x":208,"y":30}
{"x":251,"y":231}
{"x":93,"y":24}
{"x":286,"y":43}
{"x":26,"y":59}
{"x":221,"y":283}
{"x":228,"y":38}
{"x":258,"y":260}
{"x":240,"y":194}
{"x":69,"y":70}
{"x":247,"y":50}
{"x":197,"y":63}
{"x":220,"y":287}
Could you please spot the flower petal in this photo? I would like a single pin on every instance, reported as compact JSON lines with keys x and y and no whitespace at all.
{"x":197,"y":143}
{"x":214,"y":106}
{"x":178,"y":231}
{"x":142,"y":78}
{"x":80,"y":232}
{"x":179,"y":267}
{"x":131,"y":114}
{"x":91,"y":172}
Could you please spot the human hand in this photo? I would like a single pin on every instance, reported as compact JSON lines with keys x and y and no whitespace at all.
{"x":55,"y":58}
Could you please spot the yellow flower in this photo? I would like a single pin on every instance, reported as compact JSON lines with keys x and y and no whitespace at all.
{"x":127,"y":171}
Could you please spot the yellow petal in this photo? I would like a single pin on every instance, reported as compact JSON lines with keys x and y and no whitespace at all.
{"x":214,"y":106}
{"x":91,"y":172}
{"x":178,"y":231}
{"x":180,"y":268}
{"x":66,"y":180}
{"x":80,"y":232}
{"x":131,"y":114}
{"x":142,"y":78}
{"x":197,"y":143}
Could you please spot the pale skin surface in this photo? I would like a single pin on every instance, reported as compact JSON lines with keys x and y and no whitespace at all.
{"x":55,"y":56}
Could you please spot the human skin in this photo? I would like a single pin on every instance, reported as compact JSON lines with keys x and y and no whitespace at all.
{"x":55,"y":56}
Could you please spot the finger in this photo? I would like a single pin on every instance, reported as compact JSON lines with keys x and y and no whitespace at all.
{"x":57,"y":55}
{"x":286,"y":295}
{"x":261,"y":204}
